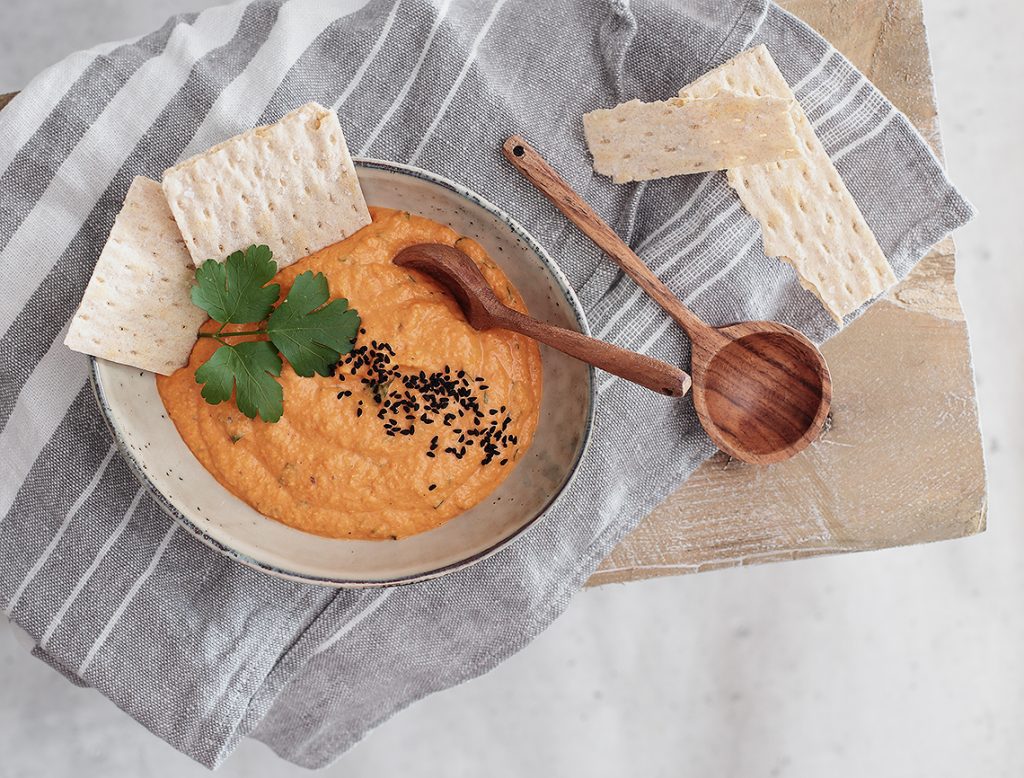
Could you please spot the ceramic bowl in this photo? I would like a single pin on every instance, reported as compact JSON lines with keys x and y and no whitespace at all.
{"x":181,"y":485}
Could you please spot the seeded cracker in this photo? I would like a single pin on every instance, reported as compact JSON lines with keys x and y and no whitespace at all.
{"x":808,"y":217}
{"x":290,"y":185}
{"x":136,"y":309}
{"x":638,"y":141}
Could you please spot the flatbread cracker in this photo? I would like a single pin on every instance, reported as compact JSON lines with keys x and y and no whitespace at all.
{"x":137,"y":308}
{"x":808,"y":217}
{"x":290,"y":185}
{"x":638,"y":141}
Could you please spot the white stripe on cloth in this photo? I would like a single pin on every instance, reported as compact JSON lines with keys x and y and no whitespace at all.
{"x":661,"y":328}
{"x":709,"y":282}
{"x":446,"y":103}
{"x":352,"y":623}
{"x":841,"y":104}
{"x":45,"y":91}
{"x":664,"y":255}
{"x":41,"y":405}
{"x":91,"y":166}
{"x":241,"y":103}
{"x":854,"y":125}
{"x":833,"y":87}
{"x":404,"y":91}
{"x":635,"y":296}
{"x":72,"y":512}
{"x":699,"y":264}
{"x":865,"y":138}
{"x":108,"y":544}
{"x":708,"y":177}
{"x":129,"y":596}
{"x":813,"y":72}
{"x":358,"y":75}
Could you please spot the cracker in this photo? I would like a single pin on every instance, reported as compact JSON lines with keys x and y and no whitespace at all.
{"x":290,"y":185}
{"x":808,"y":217}
{"x":137,"y":308}
{"x":638,"y":141}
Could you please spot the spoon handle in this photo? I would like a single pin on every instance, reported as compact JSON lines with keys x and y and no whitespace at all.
{"x":536,"y":169}
{"x":648,"y":372}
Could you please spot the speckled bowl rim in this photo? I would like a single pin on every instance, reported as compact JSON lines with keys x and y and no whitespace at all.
{"x":135,"y":465}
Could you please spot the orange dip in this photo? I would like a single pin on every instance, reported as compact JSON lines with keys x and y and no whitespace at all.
{"x":329,"y":465}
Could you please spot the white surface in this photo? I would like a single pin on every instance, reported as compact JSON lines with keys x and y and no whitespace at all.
{"x":894,"y":663}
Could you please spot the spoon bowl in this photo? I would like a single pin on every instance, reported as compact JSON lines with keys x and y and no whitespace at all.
{"x":763,"y":394}
{"x":761,"y":389}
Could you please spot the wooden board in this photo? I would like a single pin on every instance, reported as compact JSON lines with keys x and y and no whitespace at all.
{"x":902,"y":462}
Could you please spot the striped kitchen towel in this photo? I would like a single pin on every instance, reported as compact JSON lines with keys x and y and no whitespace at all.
{"x":202,"y":650}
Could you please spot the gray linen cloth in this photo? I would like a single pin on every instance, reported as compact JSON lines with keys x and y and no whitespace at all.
{"x":203,"y":651}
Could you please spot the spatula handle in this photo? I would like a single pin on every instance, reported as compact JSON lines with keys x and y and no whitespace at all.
{"x":646,"y":371}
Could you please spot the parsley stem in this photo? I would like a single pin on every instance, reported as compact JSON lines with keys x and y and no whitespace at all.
{"x":218,"y":334}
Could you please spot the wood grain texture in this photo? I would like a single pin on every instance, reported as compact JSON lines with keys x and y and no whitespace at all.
{"x":761,"y":389}
{"x":902,"y":462}
{"x":454,"y":270}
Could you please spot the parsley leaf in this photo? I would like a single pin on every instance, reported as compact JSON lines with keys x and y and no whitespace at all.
{"x":233,"y":291}
{"x":248,"y":368}
{"x":310,"y":332}
{"x":312,"y":336}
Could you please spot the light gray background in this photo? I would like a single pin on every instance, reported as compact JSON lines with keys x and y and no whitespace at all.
{"x":895,"y":663}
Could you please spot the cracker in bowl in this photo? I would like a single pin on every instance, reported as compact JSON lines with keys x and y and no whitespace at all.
{"x":137,"y":308}
{"x":289,"y":185}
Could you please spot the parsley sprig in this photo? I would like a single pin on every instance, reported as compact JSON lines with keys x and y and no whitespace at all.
{"x":308,"y":331}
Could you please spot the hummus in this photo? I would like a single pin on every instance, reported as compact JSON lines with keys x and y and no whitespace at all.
{"x":422,"y":420}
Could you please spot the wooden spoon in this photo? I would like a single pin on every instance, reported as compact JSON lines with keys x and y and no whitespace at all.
{"x":456,"y":271}
{"x":761,"y":389}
